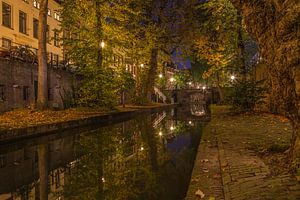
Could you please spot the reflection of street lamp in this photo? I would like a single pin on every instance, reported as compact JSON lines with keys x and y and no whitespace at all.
{"x":160,"y":75}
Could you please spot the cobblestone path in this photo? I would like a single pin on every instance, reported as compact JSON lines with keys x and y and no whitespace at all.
{"x":244,"y":174}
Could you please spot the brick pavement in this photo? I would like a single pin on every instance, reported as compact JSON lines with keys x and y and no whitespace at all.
{"x":244,"y":174}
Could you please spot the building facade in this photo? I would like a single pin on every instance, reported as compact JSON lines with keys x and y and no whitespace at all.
{"x":19,"y":26}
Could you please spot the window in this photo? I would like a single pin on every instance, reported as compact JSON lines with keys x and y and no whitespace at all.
{"x":2,"y":161}
{"x":35,"y":28}
{"x":2,"y":93}
{"x":56,"y":16}
{"x":56,"y":38}
{"x":49,"y":12}
{"x":50,"y":94}
{"x":6,"y":43}
{"x":25,"y":93}
{"x":6,"y":15}
{"x":55,"y":59}
{"x":48,"y":34}
{"x":22,"y":22}
{"x":36,"y":4}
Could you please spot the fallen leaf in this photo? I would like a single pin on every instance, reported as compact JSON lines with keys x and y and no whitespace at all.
{"x":200,"y":194}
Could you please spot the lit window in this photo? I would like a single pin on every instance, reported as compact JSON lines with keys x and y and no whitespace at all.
{"x":49,"y":12}
{"x":56,"y":16}
{"x":36,"y":4}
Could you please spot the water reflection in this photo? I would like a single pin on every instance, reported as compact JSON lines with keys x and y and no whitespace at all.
{"x":150,"y":157}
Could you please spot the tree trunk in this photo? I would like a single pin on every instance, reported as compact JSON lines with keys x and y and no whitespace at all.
{"x":43,"y":171}
{"x":152,"y":72}
{"x":99,"y":33}
{"x":275,"y":26}
{"x":241,"y":46}
{"x":42,"y":98}
{"x":221,"y":95}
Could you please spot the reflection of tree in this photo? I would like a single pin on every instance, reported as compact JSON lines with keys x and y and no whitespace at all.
{"x":116,"y":167}
{"x":43,"y":163}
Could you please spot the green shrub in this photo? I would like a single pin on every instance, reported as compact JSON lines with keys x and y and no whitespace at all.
{"x":246,"y":94}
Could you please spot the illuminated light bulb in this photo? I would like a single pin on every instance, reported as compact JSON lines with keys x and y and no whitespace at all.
{"x":102,"y":44}
{"x":232,"y":77}
{"x":142,"y":65}
{"x":203,"y":87}
{"x":172,"y":79}
{"x":160,"y":133}
{"x":142,"y":148}
{"x":160,"y":75}
{"x":190,"y":122}
{"x":171,"y":128}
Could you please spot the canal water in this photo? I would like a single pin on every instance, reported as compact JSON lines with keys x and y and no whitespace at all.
{"x":149,"y":157}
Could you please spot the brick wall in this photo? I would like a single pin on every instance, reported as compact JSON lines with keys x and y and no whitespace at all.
{"x":18,"y":85}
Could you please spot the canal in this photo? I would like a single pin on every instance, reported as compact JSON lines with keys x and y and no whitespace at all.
{"x":146,"y":158}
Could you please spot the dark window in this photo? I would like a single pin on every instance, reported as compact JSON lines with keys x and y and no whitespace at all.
{"x":6,"y":15}
{"x":56,"y":38}
{"x":2,"y":92}
{"x":22,"y":22}
{"x":2,"y":161}
{"x":35,"y":27}
{"x":35,"y":90}
{"x":55,"y":59}
{"x":48,"y":34}
{"x":6,"y":43}
{"x":50,"y":94}
{"x":25,"y":93}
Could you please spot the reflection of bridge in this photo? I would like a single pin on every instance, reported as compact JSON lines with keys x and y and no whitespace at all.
{"x":187,"y":96}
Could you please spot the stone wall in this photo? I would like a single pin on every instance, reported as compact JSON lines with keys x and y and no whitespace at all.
{"x":18,"y":85}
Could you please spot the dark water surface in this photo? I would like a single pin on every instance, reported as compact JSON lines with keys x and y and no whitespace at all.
{"x":147,"y":158}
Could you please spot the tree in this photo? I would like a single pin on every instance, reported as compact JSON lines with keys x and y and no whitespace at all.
{"x":42,"y":98}
{"x":275,"y":26}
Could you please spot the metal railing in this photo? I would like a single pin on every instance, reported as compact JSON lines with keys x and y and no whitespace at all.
{"x":27,"y":53}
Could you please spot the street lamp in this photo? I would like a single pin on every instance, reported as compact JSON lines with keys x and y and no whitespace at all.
{"x":190,"y":83}
{"x":142,"y":65}
{"x":232,"y":77}
{"x":102,"y":44}
{"x":160,"y":75}
{"x":203,"y":87}
{"x":172,"y":79}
